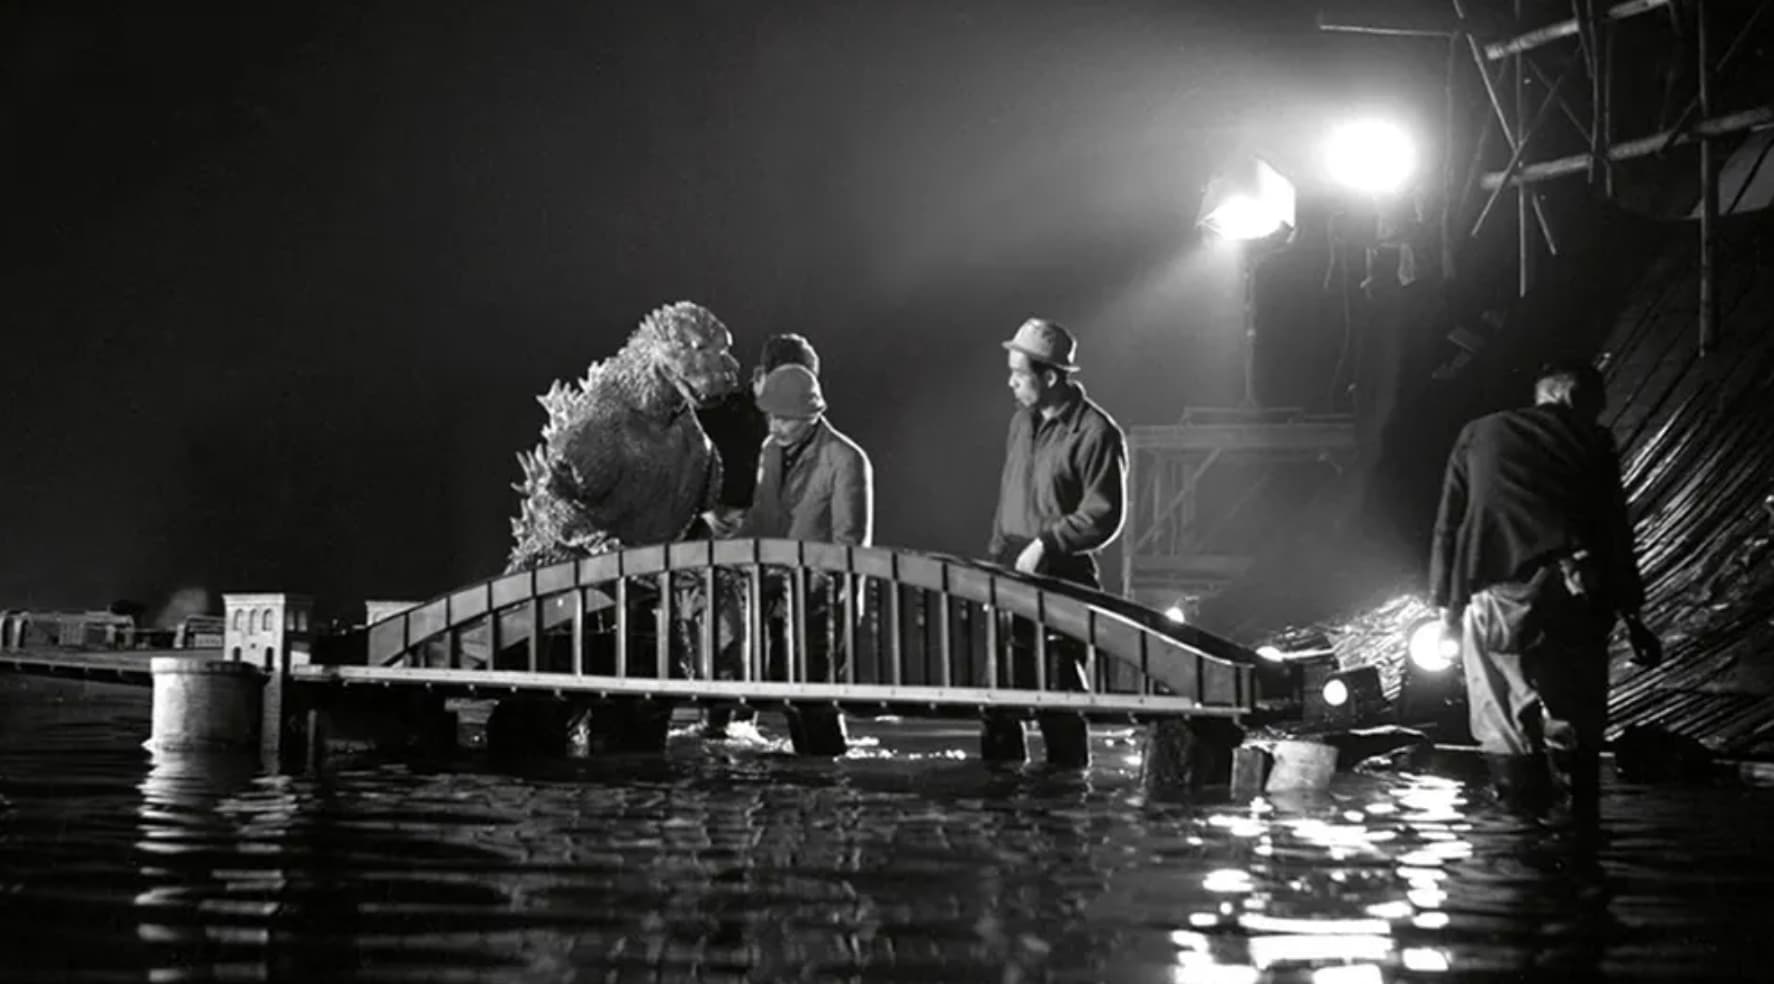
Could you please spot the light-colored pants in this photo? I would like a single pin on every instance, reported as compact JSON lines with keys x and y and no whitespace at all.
{"x":1536,"y":663}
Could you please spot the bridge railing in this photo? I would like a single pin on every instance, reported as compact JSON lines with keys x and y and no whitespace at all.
{"x":793,"y":612}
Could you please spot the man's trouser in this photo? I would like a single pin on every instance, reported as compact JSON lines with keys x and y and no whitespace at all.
{"x":1065,"y":666}
{"x":825,"y":657}
{"x":1535,"y":656}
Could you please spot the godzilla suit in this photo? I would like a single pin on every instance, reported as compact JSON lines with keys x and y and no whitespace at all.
{"x":623,"y":460}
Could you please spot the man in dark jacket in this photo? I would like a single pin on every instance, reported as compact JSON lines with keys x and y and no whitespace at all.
{"x":737,"y":428}
{"x":1060,"y":501}
{"x":1064,"y":485}
{"x":1532,"y":560}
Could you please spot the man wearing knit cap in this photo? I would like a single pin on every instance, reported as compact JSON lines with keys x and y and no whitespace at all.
{"x":737,"y":428}
{"x":813,"y":484}
{"x":1060,"y":500}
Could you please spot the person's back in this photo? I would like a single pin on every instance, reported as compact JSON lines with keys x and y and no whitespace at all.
{"x":1532,"y":562}
{"x":1536,"y":479}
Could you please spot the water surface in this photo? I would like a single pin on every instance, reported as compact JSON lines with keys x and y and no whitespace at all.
{"x":908,"y":861}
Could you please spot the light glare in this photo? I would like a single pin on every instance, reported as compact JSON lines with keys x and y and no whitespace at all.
{"x":1336,"y":693}
{"x":1433,"y":649}
{"x":1372,"y":156}
{"x":1242,"y":217}
{"x":1175,"y":614}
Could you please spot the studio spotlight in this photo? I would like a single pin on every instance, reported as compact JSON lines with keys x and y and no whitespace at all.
{"x":1432,"y":648}
{"x":1252,"y":201}
{"x":1432,"y":690}
{"x":1371,"y":156}
{"x":1349,"y":697}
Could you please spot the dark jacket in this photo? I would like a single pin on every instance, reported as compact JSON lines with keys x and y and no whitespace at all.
{"x":825,"y":494}
{"x":1065,"y":483}
{"x":736,"y":428}
{"x":1524,"y":487}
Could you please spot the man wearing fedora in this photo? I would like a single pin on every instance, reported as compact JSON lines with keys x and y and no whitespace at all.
{"x":1061,"y":496}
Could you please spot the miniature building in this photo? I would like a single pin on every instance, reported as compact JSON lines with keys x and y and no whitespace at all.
{"x":262,"y":625}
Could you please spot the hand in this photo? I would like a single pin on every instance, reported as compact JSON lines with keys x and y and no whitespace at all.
{"x":1029,"y":561}
{"x":723,"y":523}
{"x":1647,"y":649}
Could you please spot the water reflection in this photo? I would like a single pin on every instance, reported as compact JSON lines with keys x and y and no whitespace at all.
{"x":739,"y":862}
{"x":1340,"y":888}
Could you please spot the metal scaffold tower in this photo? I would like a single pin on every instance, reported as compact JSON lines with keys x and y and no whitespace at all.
{"x":1577,"y":96}
{"x":1197,"y":490}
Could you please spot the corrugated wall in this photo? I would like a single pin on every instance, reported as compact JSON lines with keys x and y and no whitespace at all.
{"x":1697,"y":440}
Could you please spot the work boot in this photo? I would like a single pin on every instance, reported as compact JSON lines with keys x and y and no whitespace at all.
{"x":1578,"y":775}
{"x":1523,"y":783}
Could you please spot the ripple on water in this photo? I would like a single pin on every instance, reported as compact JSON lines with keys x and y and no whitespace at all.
{"x":907,"y":860}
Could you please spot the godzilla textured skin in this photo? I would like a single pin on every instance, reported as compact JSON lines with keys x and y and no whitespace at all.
{"x":623,"y":460}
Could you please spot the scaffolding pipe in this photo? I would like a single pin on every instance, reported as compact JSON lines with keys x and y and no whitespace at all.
{"x":1388,"y":32}
{"x":1524,"y":271}
{"x":1706,"y":69}
{"x":1450,"y":135}
{"x":1709,"y":193}
{"x":1521,"y":148}
{"x":1490,"y":91}
{"x":1565,"y":28}
{"x":1744,"y":121}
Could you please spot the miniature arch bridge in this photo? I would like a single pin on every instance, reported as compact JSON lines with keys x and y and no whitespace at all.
{"x":905,"y":629}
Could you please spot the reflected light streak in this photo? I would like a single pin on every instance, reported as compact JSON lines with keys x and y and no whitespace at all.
{"x":1258,"y":923}
{"x":1425,"y":959}
{"x":1228,"y":880}
{"x":1267,"y":951}
{"x":1352,"y":974}
{"x":1196,"y":968}
{"x":1397,"y":909}
{"x":1184,"y":939}
{"x":1427,"y":898}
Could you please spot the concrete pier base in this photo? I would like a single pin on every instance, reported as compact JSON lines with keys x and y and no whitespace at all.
{"x":818,"y":731}
{"x":1067,"y":737}
{"x":364,"y":720}
{"x":1250,"y":771}
{"x":1185,"y":756}
{"x":622,"y":727}
{"x":1302,"y":766}
{"x":1001,"y":739}
{"x":523,"y":726}
{"x":203,"y":705}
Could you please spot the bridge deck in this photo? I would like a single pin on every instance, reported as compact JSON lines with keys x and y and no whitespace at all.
{"x":490,"y":682}
{"x":115,"y":665}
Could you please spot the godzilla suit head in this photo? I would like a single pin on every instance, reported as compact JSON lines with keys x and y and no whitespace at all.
{"x":690,"y":349}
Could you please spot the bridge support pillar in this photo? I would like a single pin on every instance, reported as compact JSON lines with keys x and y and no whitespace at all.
{"x":818,"y":731}
{"x":1067,"y":737}
{"x":356,"y":719}
{"x":1186,"y":755}
{"x":204,"y":705}
{"x":1001,"y":739}
{"x":616,"y":727}
{"x":529,"y":727}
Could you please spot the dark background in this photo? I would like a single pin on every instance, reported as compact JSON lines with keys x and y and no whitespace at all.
{"x":282,"y":281}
